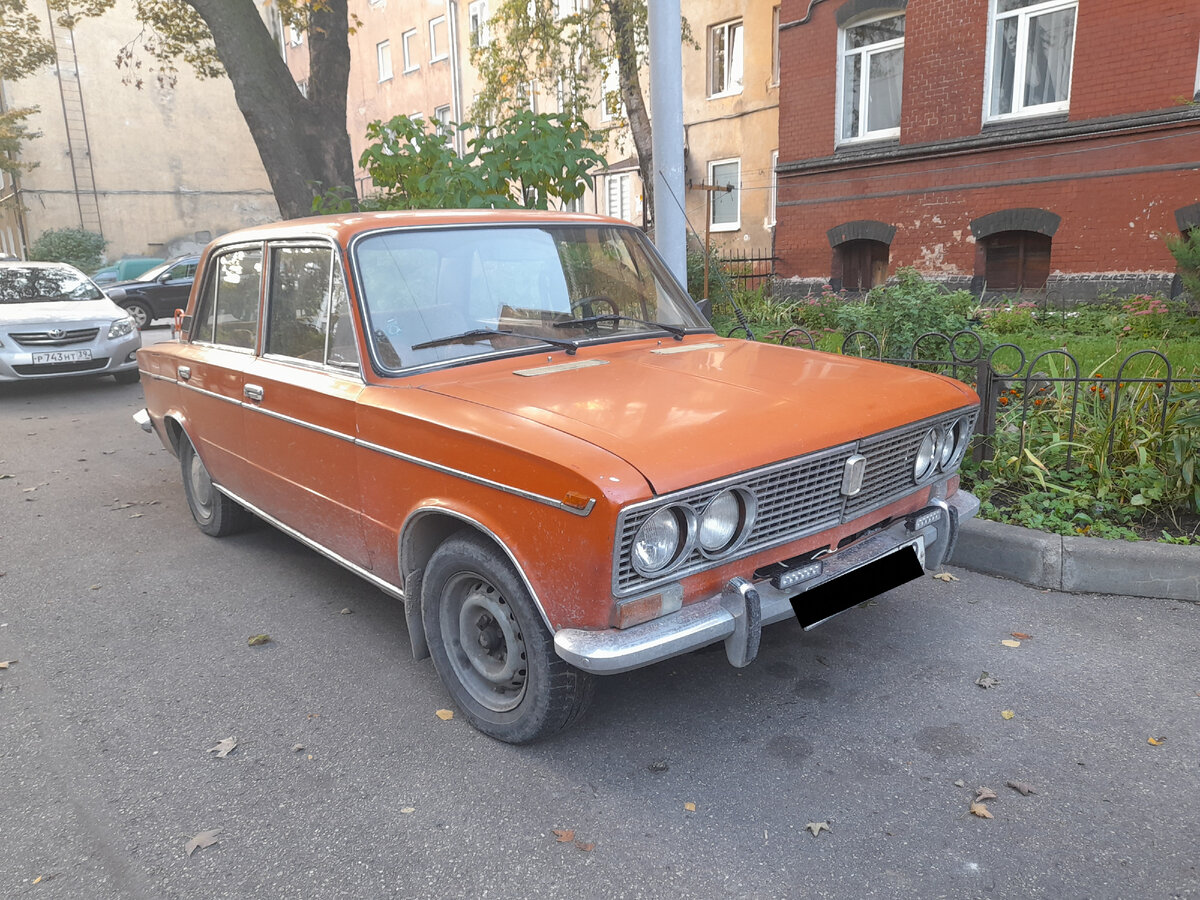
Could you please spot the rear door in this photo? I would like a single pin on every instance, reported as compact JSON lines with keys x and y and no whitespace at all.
{"x":302,"y":389}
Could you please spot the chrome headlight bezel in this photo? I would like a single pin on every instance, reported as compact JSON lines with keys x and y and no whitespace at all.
{"x":120,"y":328}
{"x":925,"y":461}
{"x":744,"y":507}
{"x":684,"y":523}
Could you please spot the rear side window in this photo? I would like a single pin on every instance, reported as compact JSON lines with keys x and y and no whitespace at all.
{"x":228,"y":310}
{"x":308,"y":309}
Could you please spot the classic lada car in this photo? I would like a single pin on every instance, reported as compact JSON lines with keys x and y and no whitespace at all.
{"x":519,"y":425}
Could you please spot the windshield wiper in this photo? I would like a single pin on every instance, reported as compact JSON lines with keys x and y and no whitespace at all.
{"x":673,"y":330}
{"x":478,"y":334}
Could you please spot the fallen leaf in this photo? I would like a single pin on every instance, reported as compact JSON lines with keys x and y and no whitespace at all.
{"x":347,"y":611}
{"x":258,"y":640}
{"x":8,"y":662}
{"x":960,"y":783}
{"x":945,"y":576}
{"x":1024,"y":789}
{"x":1021,"y":637}
{"x":564,"y":835}
{"x":202,"y":840}
{"x":37,"y":880}
{"x":1009,"y":643}
{"x":445,"y":714}
{"x":407,"y":810}
{"x":1008,"y":714}
{"x":586,"y":848}
{"x":817,"y":827}
{"x":978,"y":809}
{"x":2,"y":477}
{"x":985,"y":680}
{"x":690,"y":806}
{"x":223,"y":748}
{"x":1156,"y":741}
{"x":136,"y":515}
{"x":984,"y":793}
{"x":659,"y":765}
{"x":297,"y":748}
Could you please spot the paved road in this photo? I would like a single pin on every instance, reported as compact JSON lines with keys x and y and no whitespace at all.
{"x":130,"y":628}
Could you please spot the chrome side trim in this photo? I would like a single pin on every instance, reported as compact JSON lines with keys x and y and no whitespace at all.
{"x":434,"y":510}
{"x":386,"y":586}
{"x":158,"y":377}
{"x":475,"y":479}
{"x":191,"y":387}
{"x":320,"y":429}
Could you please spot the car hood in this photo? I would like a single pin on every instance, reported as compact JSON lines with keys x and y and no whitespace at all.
{"x":683,"y":413}
{"x":59,"y":312}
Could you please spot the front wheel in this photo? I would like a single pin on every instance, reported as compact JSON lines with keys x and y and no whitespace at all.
{"x":490,"y":647}
{"x":140,"y":312}
{"x":215,"y":513}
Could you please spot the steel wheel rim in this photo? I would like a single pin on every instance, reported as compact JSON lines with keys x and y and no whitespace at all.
{"x":201,"y":486}
{"x":484,"y":643}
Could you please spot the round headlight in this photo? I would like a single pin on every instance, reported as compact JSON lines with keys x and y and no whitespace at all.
{"x":926,"y":454}
{"x":724,"y":521}
{"x":660,"y":540}
{"x":948,"y":445}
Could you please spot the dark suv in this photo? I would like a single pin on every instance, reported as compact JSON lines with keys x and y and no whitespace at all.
{"x":157,"y":293}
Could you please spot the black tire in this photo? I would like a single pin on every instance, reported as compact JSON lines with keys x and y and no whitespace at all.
{"x":506,"y":677}
{"x":215,"y":513}
{"x":140,"y":312}
{"x":129,"y":376}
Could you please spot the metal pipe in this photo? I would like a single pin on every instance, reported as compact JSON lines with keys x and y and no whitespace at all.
{"x":666,"y":99}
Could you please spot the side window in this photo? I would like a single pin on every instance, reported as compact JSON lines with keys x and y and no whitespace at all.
{"x":202,"y":325}
{"x":238,"y":283}
{"x":181,"y":270}
{"x":308,"y":307}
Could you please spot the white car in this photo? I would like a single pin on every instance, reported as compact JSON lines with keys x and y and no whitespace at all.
{"x":54,"y":321}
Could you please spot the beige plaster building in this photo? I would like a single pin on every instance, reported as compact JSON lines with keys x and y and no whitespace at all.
{"x":157,"y":171}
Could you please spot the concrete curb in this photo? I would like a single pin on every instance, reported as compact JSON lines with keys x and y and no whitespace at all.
{"x":1081,"y":565}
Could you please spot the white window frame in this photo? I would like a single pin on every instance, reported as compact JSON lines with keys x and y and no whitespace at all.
{"x":408,"y":50}
{"x":624,"y":188}
{"x":477,"y":27}
{"x":441,"y":115}
{"x":865,"y":87}
{"x":774,"y":192}
{"x":1023,"y":16}
{"x":737,"y":193}
{"x":295,"y":36}
{"x":731,"y":88}
{"x":383,"y":61}
{"x":437,"y":52}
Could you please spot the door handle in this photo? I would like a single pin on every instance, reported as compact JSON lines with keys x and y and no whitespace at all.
{"x":252,"y":392}
{"x":184,"y":372}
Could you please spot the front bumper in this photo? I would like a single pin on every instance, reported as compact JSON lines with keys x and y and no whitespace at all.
{"x":737,"y":614}
{"x":107,"y":357}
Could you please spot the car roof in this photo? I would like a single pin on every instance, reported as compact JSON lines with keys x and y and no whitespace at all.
{"x":342,"y":228}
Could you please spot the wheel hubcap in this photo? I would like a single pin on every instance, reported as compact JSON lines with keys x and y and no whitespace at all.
{"x":484,"y":642}
{"x":201,"y":486}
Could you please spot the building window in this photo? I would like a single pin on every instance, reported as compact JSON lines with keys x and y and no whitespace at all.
{"x":408,"y":47}
{"x":477,"y":23}
{"x":1016,"y":261}
{"x":725,"y":213}
{"x":441,"y":115}
{"x":383,"y":53}
{"x":872,"y":76}
{"x":573,"y":206}
{"x":863,"y":263}
{"x":1033,"y":44}
{"x":439,"y":43}
{"x":774,"y":198}
{"x":725,"y":59}
{"x":611,"y":105}
{"x":617,"y":195}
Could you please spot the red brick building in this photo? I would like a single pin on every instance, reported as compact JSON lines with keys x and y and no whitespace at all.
{"x":1002,"y":145}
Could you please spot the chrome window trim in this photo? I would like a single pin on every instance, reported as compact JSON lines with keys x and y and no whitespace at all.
{"x":385,"y":372}
{"x":209,"y":268}
{"x":750,"y":549}
{"x":349,"y":372}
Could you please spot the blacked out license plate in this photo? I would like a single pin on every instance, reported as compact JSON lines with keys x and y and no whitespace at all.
{"x":838,"y":595}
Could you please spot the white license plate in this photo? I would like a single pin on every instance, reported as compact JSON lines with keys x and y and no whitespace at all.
{"x":61,"y":356}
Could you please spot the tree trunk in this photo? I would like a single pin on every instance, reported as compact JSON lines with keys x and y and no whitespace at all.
{"x":625,"y":37}
{"x":303,"y":142}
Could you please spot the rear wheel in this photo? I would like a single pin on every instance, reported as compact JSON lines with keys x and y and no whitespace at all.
{"x":215,"y":513}
{"x":490,"y":647}
{"x":141,"y":313}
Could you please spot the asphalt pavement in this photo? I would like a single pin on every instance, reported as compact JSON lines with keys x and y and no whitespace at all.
{"x":129,"y":629}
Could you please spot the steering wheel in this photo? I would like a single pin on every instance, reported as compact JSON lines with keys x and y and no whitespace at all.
{"x":584,"y":308}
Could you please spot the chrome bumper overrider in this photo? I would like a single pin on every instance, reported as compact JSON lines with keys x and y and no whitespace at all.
{"x":737,"y":614}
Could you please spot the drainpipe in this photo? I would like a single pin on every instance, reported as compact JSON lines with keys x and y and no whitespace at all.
{"x":456,"y":111}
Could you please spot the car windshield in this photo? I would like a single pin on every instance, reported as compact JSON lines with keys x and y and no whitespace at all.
{"x":44,"y":284}
{"x":155,"y":273}
{"x":444,"y":294}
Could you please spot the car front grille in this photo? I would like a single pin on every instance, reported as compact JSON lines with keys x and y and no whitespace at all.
{"x":85,"y":365}
{"x":794,"y":498}
{"x":55,"y":339}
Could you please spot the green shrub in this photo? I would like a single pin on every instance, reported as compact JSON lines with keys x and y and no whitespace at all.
{"x":900,"y":312}
{"x":1186,"y":251}
{"x":74,"y":246}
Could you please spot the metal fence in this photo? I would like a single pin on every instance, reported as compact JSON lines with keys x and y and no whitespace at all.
{"x":748,"y":269}
{"x":1007,"y":381}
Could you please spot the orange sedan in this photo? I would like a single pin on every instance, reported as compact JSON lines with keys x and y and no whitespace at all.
{"x":519,"y":425}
